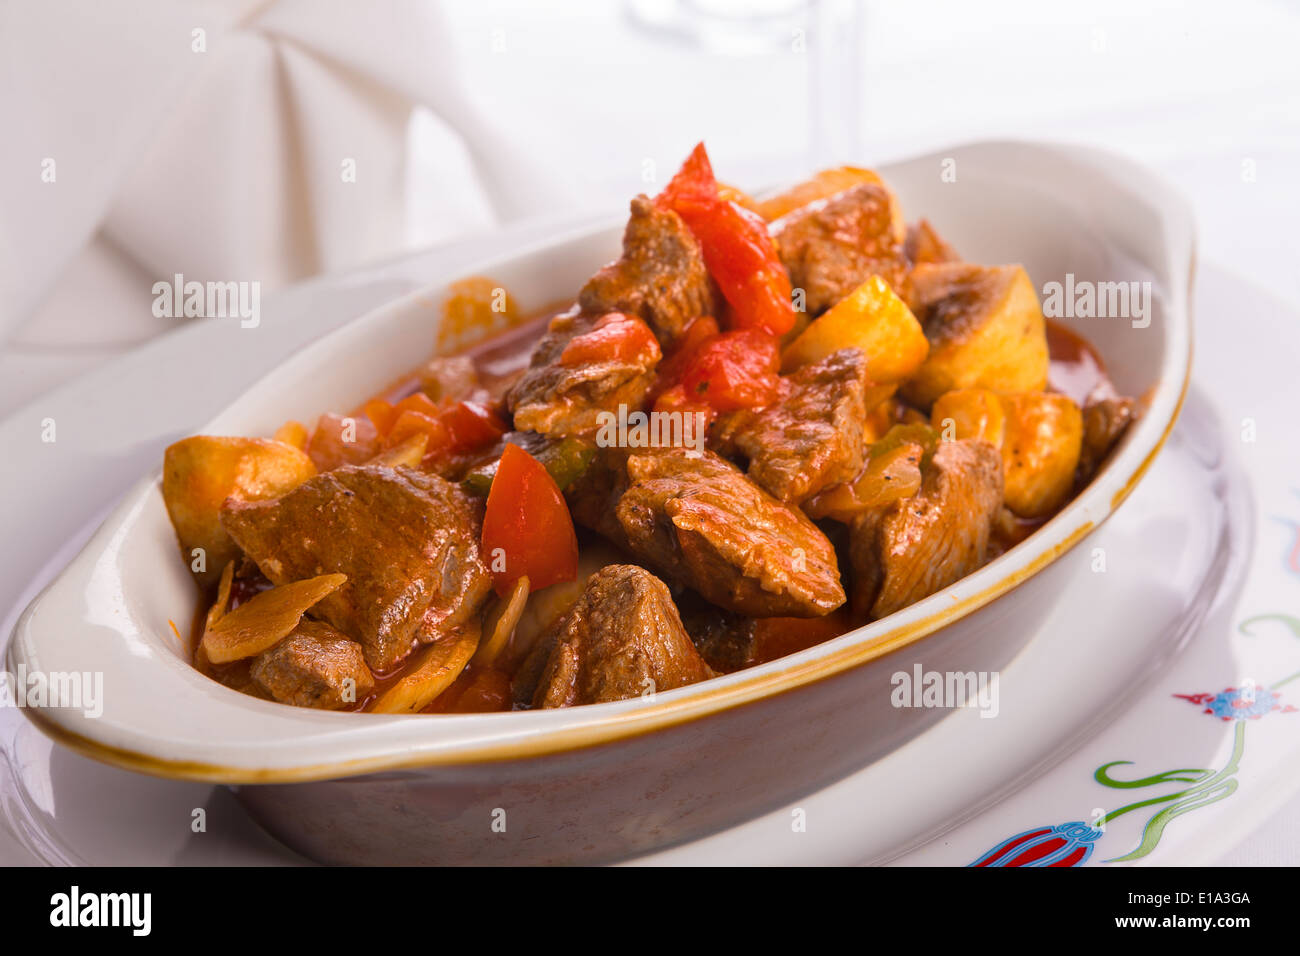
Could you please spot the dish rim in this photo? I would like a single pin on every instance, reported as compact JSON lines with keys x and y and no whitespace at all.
{"x":619,"y":721}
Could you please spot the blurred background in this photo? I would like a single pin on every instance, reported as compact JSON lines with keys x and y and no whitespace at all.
{"x":279,"y":139}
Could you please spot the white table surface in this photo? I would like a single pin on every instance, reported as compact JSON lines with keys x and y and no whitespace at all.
{"x":1207,"y":94}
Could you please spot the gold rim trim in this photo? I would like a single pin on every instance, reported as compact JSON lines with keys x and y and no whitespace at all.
{"x":633,"y":724}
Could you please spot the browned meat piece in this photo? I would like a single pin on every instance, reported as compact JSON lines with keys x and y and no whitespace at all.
{"x":726,"y":641}
{"x":832,"y":246}
{"x":661,"y":276}
{"x":558,"y":399}
{"x":1104,"y":423}
{"x":923,"y":244}
{"x":699,"y":521}
{"x":623,"y":638}
{"x":315,"y":666}
{"x":918,"y":545}
{"x":812,"y":437}
{"x":408,"y":542}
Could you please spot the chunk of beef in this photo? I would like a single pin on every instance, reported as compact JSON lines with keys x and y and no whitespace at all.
{"x":623,"y":638}
{"x":918,"y":545}
{"x":555,"y":398}
{"x":408,"y":542}
{"x":1104,"y":422}
{"x":695,"y":518}
{"x":812,"y":437}
{"x":832,"y":246}
{"x":315,"y":666}
{"x":661,"y":276}
{"x":726,"y":641}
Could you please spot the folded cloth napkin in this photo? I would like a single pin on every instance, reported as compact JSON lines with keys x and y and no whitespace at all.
{"x":226,"y":141}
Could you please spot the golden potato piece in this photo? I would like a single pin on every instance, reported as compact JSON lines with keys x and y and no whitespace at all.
{"x":200,"y":473}
{"x":823,"y":185}
{"x":970,"y":413}
{"x":265,"y":619}
{"x":293,"y":433}
{"x":871,"y":318}
{"x":1040,"y":451}
{"x":1040,"y":436}
{"x":433,"y":669}
{"x":985,"y":328}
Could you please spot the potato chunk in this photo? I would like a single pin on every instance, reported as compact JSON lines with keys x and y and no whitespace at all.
{"x":1040,"y":451}
{"x":871,"y":318}
{"x":201,"y":472}
{"x":985,"y":328}
{"x":970,"y":413}
{"x":1039,"y":434}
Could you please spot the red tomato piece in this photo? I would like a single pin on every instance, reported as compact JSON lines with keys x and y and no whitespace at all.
{"x":527,"y":528}
{"x":615,"y":337}
{"x":737,"y":247}
{"x":672,"y":368}
{"x":675,"y":399}
{"x":381,"y":413}
{"x":735,"y":370}
{"x":471,"y":425}
{"x":417,"y":402}
{"x":342,"y":440}
{"x":410,"y":422}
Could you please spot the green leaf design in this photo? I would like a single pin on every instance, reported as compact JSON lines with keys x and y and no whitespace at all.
{"x":1193,"y":775}
{"x":1155,"y":827}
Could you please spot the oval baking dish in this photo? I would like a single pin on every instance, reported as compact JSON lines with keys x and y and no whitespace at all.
{"x":604,"y":781}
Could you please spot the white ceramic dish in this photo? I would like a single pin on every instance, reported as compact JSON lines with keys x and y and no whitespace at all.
{"x":1077,"y":212}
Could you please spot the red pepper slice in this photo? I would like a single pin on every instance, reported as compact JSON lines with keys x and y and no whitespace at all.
{"x":526,"y":527}
{"x":737,"y":247}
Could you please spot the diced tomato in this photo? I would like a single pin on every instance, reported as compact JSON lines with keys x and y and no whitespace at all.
{"x":615,"y":337}
{"x":410,"y":422}
{"x":737,"y":247}
{"x":526,"y":527}
{"x":381,"y":413}
{"x":471,"y":425}
{"x":417,"y":402}
{"x":675,"y":399}
{"x":342,"y":440}
{"x":672,"y":368}
{"x":735,"y":370}
{"x":775,"y":637}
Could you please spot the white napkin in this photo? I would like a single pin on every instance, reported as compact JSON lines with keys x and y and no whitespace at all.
{"x":230,"y":140}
